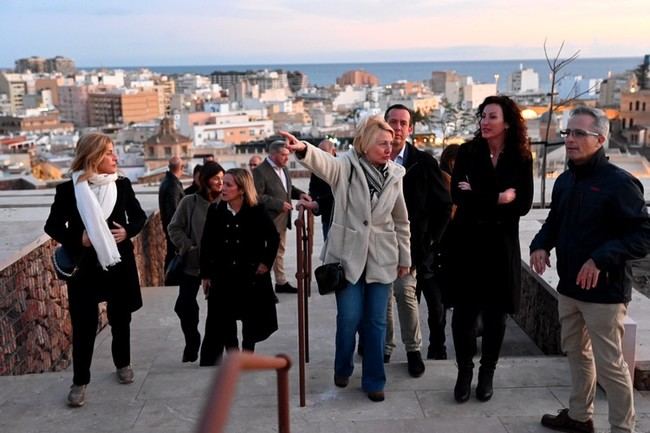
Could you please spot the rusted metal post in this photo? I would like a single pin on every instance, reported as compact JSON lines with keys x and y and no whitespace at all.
{"x":300,"y":225}
{"x":284,"y":420}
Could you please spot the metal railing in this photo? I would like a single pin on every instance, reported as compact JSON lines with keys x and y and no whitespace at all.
{"x":304,"y":246}
{"x":217,"y":408}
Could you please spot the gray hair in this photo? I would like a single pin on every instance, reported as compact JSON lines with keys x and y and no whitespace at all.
{"x":601,"y":122}
{"x":275,"y":146}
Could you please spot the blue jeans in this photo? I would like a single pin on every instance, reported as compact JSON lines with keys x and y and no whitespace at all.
{"x":362,"y":306}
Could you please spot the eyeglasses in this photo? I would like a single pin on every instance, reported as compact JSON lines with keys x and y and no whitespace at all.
{"x":577,"y":133}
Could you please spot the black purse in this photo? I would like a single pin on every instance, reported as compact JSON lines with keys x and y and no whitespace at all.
{"x":64,"y":263}
{"x":330,"y":277}
{"x":175,"y":270}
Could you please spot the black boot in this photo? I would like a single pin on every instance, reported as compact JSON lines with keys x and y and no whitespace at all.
{"x":463,"y":387}
{"x":484,"y":389}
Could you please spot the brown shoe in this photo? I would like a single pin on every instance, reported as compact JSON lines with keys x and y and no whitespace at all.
{"x":341,"y":381}
{"x":376,"y":396}
{"x":562,"y":422}
{"x":125,"y":375}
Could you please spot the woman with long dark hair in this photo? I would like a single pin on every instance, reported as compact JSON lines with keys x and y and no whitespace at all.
{"x":238,"y":247}
{"x":94,"y":216}
{"x":186,"y":231}
{"x":492,"y":186}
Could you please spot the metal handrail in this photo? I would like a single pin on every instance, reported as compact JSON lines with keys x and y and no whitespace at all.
{"x":217,"y":408}
{"x":304,"y":246}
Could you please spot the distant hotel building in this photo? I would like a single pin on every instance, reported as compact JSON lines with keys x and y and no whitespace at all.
{"x":122,"y":106}
{"x":357,"y":78}
{"x":447,"y":83}
{"x":39,"y":65}
{"x":523,"y":81}
{"x":34,"y":123}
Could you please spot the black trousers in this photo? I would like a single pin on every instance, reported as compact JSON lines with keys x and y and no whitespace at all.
{"x":463,"y":325}
{"x":171,"y":250}
{"x":437,"y":313}
{"x":221,"y":332}
{"x":85,"y":317}
{"x":187,"y":310}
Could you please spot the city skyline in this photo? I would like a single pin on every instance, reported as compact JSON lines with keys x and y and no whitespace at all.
{"x":194,"y":32}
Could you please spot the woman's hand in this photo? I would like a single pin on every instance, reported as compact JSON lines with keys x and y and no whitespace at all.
{"x":402,"y":271}
{"x":119,"y":234}
{"x":85,"y":240}
{"x":507,"y":196}
{"x":464,"y":186}
{"x":205,"y":283}
{"x":261,"y":269}
{"x":293,"y":144}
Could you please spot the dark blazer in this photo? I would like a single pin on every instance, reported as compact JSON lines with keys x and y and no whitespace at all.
{"x":271,"y":192}
{"x":170,"y":194}
{"x":232,"y":248}
{"x":120,"y":282}
{"x":598,"y":212}
{"x":485,"y":258}
{"x":427,"y":200}
{"x":321,"y":193}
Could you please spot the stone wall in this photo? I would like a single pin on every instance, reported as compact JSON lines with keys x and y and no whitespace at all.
{"x":537,"y":314}
{"x":35,"y":329}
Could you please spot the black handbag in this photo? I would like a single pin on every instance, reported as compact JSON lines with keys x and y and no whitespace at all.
{"x":175,"y":270}
{"x":64,"y":263}
{"x":330,"y":278}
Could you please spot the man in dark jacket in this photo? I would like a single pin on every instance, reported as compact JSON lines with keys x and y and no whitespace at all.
{"x":169,"y":195}
{"x":598,"y":220}
{"x":429,"y":207}
{"x":321,"y":193}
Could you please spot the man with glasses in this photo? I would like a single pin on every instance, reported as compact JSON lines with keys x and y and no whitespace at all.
{"x":598,"y":220}
{"x":254,"y":161}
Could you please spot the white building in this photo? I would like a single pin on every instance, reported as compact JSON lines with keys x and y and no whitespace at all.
{"x":349,"y":97}
{"x":523,"y":81}
{"x":475,"y":93}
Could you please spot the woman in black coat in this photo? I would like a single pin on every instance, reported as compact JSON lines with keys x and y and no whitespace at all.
{"x":238,"y":248}
{"x":492,"y":186}
{"x":94,"y":216}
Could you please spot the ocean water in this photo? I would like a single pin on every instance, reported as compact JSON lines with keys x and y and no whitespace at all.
{"x":482,"y":71}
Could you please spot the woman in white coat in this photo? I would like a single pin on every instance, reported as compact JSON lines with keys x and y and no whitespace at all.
{"x":369,"y":236}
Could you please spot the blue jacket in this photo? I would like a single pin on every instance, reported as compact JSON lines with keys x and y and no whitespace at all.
{"x":598,"y":212}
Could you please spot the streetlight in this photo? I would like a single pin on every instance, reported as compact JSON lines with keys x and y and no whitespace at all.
{"x":496,"y":82}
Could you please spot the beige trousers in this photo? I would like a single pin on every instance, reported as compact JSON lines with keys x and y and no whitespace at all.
{"x":278,"y":265}
{"x":592,"y":337}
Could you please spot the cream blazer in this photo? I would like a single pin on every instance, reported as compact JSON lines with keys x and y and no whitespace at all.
{"x":376,"y":239}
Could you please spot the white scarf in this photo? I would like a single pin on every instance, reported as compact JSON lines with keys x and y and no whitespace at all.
{"x":96,"y":199}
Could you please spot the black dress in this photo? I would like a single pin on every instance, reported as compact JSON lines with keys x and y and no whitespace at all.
{"x":119,"y":286}
{"x":232,"y":248}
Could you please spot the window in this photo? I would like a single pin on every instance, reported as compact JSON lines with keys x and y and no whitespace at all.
{"x":623,"y":123}
{"x":637,"y":105}
{"x":168,"y":151}
{"x":631,"y":123}
{"x":630,"y":105}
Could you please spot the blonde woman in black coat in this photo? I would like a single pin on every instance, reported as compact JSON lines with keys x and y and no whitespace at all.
{"x":94,"y":216}
{"x":238,"y":248}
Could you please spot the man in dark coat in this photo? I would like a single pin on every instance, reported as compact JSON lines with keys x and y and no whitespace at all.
{"x":598,"y":220}
{"x":169,"y":195}
{"x":429,"y":206}
{"x":275,"y":192}
{"x":321,"y":193}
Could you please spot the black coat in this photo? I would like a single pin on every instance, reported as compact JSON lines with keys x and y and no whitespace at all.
{"x":232,"y":248}
{"x":321,"y":193}
{"x":170,"y":194}
{"x":484,"y":254}
{"x":120,"y":282}
{"x":597,"y":212}
{"x":427,"y":200}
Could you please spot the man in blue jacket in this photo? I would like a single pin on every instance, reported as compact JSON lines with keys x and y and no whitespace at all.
{"x":598,"y":220}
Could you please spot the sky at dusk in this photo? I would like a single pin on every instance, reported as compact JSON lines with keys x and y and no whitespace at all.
{"x":220,"y":32}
